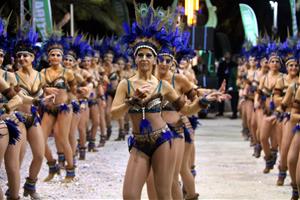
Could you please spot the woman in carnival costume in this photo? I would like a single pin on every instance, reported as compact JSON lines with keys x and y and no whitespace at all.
{"x":58,"y":80}
{"x":72,"y":50}
{"x":86,"y":63}
{"x":102,"y":84}
{"x":250,"y":86}
{"x":10,"y":138}
{"x":127,"y":73}
{"x":280,"y":93}
{"x":293,"y":152}
{"x":251,"y":82}
{"x":121,"y":59}
{"x":269,"y":128}
{"x":258,"y":112}
{"x":183,"y":86}
{"x":110,"y":51}
{"x":30,"y":83}
{"x":107,"y":52}
{"x":187,"y":171}
{"x":76,"y":52}
{"x":242,"y":73}
{"x":13,"y":121}
{"x":141,"y":95}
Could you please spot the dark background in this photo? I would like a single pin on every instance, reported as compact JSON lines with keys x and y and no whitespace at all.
{"x":104,"y":17}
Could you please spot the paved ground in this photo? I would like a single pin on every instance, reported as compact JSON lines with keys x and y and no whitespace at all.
{"x":226,"y":169}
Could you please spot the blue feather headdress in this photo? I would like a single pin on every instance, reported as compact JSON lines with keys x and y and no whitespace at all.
{"x":259,"y":50}
{"x":170,"y":17}
{"x":77,"y":47}
{"x":54,"y":42}
{"x":108,"y":46}
{"x":147,"y":31}
{"x":97,"y":46}
{"x":26,"y":41}
{"x":174,"y":38}
{"x":286,"y":48}
{"x":3,"y":36}
{"x":272,"y":50}
{"x":68,"y":50}
{"x":121,"y":52}
{"x":87,"y":50}
{"x":183,"y":49}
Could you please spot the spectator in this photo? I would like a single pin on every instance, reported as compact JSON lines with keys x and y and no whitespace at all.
{"x":233,"y":89}
{"x":223,"y":72}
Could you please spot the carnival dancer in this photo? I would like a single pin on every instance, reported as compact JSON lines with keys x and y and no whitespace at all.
{"x":96,"y":62}
{"x":249,"y":90}
{"x":107,"y":51}
{"x":102,"y":84}
{"x":72,"y":51}
{"x":283,"y":95}
{"x":60,"y":80}
{"x":86,"y":64}
{"x":286,"y":135}
{"x":150,"y":146}
{"x":30,"y":83}
{"x":112,"y":71}
{"x":174,"y":119}
{"x":14,"y":155}
{"x":258,"y":116}
{"x":269,"y":130}
{"x":242,"y":71}
{"x":121,"y":59}
{"x":10,"y":137}
{"x":294,"y":149}
{"x":127,"y":73}
{"x":293,"y":154}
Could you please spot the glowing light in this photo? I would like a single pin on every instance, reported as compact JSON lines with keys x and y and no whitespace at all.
{"x":196,"y":4}
{"x":190,"y":7}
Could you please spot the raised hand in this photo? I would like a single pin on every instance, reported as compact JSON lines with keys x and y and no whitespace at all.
{"x":49,"y":98}
{"x":51,"y":90}
{"x":83,"y":90}
{"x":142,"y":91}
{"x":222,"y":89}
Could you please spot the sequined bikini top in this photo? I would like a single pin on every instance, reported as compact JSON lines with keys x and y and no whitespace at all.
{"x":29,"y":91}
{"x":152,"y":105}
{"x":60,"y":82}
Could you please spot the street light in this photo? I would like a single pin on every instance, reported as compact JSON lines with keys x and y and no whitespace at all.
{"x":274,"y":6}
{"x":190,"y":7}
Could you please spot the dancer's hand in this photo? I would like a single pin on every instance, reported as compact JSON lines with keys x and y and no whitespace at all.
{"x":212,"y":96}
{"x":49,"y":98}
{"x":83,"y":90}
{"x":132,"y":101}
{"x":224,"y":97}
{"x":142,"y":92}
{"x":51,"y":90}
{"x":256,"y":105}
{"x":271,"y":119}
{"x":103,"y":103}
{"x":223,"y":87}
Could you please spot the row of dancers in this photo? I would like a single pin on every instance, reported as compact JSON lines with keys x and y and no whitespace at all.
{"x":268,"y":80}
{"x":144,"y":76}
